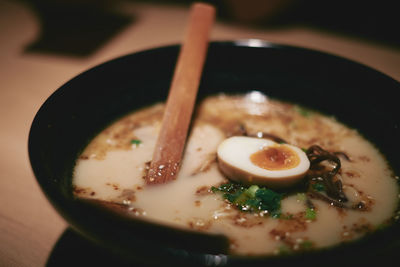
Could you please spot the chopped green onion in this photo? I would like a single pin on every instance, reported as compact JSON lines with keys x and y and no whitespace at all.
{"x":303,"y":111}
{"x":310,"y":214}
{"x":306,"y":245}
{"x":251,"y":191}
{"x":284,"y":250}
{"x":301,"y":197}
{"x":136,"y":142}
{"x":252,"y":198}
{"x":286,"y":216}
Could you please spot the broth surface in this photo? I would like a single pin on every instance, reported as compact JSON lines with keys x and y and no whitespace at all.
{"x":113,"y":165}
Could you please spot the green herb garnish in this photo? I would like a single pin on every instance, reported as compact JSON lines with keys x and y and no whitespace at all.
{"x":136,"y":142}
{"x":303,"y":111}
{"x":306,"y":245}
{"x":252,"y":198}
{"x":287,"y":216}
{"x":301,"y":197}
{"x":284,"y":250}
{"x":310,"y":214}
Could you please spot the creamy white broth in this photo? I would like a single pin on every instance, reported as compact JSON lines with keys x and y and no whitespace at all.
{"x":112,"y":168}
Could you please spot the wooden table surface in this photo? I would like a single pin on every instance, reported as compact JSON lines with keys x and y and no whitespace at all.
{"x":29,"y":226}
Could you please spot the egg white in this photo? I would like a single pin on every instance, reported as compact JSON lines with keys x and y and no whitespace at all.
{"x":234,"y":159}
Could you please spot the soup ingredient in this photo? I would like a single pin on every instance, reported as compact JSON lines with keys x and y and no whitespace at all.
{"x":259,"y":161}
{"x":324,"y":179}
{"x":136,"y":142}
{"x":251,"y":199}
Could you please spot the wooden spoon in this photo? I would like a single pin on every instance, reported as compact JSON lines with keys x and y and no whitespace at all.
{"x":168,"y":152}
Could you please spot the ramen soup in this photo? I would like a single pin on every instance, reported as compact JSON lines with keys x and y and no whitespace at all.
{"x":272,"y":177}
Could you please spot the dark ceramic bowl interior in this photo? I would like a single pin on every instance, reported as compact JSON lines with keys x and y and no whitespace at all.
{"x":357,"y":95}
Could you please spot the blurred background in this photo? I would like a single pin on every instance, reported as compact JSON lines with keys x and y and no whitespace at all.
{"x":79,"y":27}
{"x":44,"y":43}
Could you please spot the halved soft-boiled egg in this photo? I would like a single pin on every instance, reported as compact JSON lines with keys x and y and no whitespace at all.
{"x":251,"y":160}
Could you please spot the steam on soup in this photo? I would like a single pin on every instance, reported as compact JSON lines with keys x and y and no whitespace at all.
{"x":341,"y":190}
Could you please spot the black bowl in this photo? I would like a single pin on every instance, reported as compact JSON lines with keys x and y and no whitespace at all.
{"x":355,"y":94}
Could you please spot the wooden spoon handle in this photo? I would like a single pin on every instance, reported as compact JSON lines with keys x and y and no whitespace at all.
{"x":182,"y":95}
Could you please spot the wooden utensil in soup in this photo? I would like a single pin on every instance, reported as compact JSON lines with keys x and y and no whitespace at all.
{"x":182,"y":95}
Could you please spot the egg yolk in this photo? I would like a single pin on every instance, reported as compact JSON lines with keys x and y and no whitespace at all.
{"x":275,"y":158}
